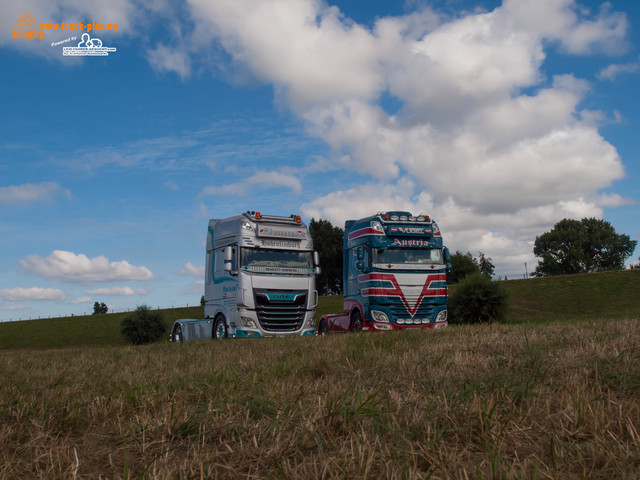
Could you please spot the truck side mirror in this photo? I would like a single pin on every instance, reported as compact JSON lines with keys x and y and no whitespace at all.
{"x":316,"y":263}
{"x":228,"y":258}
{"x":447,"y":257}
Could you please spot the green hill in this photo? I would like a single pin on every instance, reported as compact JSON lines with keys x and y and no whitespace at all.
{"x":583,"y":296}
{"x":586,"y":296}
{"x":88,"y":330}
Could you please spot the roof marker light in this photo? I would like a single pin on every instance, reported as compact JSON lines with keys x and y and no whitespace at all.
{"x":258,"y":216}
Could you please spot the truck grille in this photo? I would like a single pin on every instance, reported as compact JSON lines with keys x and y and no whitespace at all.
{"x":398,"y":310}
{"x":281,"y":311}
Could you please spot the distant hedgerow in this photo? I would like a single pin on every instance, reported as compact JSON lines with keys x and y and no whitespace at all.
{"x":143,"y":326}
{"x":477,"y":299}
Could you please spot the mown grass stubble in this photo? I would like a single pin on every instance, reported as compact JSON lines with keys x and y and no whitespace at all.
{"x":499,"y":401}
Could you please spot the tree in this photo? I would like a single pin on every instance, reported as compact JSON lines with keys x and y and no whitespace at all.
{"x":328,"y":242}
{"x":485,"y":265}
{"x":477,"y":299}
{"x":143,"y":326}
{"x":587,"y":245}
{"x":99,"y":308}
{"x":463,"y":265}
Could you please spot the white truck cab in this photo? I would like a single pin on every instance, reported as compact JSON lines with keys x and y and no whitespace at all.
{"x":259,"y":279}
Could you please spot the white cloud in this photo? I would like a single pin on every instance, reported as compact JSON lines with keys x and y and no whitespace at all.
{"x":19,"y":294}
{"x":482,"y":134}
{"x":263,"y":179}
{"x":196,"y":288}
{"x":78,"y":268}
{"x":612,"y":71}
{"x":171,"y":185}
{"x":297,"y":45}
{"x":168,"y":59}
{"x":27,"y":193}
{"x":613,"y":200}
{"x":189,"y":269}
{"x":121,"y":291}
{"x":17,"y":307}
{"x":78,"y":301}
{"x":365,"y":200}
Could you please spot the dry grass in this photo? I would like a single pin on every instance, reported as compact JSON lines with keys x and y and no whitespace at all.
{"x":498,"y":401}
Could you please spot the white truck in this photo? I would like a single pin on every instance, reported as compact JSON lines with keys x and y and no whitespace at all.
{"x":259,"y":280}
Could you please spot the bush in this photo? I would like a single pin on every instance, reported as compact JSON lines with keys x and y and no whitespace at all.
{"x":143,"y":326}
{"x":477,"y":299}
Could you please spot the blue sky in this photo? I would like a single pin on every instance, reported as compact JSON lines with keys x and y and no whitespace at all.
{"x":497,"y":118}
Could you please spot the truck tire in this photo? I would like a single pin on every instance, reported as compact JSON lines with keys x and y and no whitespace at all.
{"x":322,"y":328}
{"x":176,"y":336}
{"x":356,"y":322}
{"x":219,"y":328}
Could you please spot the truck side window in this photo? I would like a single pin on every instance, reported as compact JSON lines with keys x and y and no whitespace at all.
{"x":209,"y":267}
{"x":218,"y":263}
{"x":234,"y":257}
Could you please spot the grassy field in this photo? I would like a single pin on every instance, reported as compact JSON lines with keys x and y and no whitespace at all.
{"x":555,"y":393}
{"x":84,"y":330}
{"x":497,"y":401}
{"x":589,"y":295}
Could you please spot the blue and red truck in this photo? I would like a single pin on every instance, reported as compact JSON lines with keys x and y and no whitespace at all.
{"x":394,"y":274}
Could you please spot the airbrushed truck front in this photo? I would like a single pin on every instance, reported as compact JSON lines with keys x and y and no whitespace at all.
{"x":394,"y":270}
{"x":259,"y":280}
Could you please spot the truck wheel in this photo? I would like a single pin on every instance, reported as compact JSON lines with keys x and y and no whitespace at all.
{"x":177,"y":334}
{"x":219,"y":328}
{"x":356,"y":322}
{"x":322,"y":328}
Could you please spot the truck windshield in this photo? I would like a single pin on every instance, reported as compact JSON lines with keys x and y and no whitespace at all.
{"x":276,"y":261}
{"x":408,"y":256}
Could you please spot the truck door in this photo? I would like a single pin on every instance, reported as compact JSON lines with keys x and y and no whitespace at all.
{"x":224,"y":282}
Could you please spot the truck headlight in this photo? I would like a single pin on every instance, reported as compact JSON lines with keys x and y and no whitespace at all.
{"x":442,"y":316}
{"x":248,"y":322}
{"x":379,"y":316}
{"x":311,"y":323}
